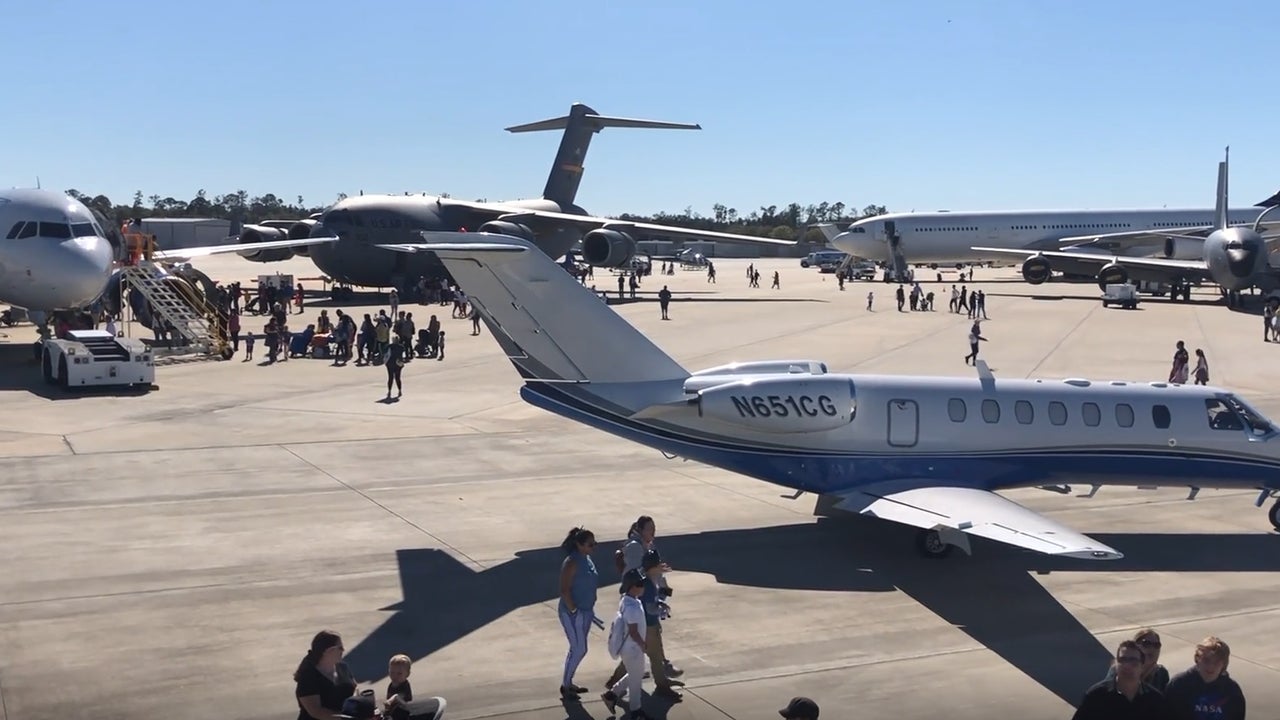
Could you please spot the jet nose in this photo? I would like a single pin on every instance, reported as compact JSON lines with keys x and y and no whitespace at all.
{"x":1242,"y":260}
{"x":83,"y":266}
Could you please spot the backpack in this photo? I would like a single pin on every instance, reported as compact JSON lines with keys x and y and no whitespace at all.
{"x":617,"y":635}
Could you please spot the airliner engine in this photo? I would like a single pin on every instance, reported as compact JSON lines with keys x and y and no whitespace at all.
{"x":1035,"y":269}
{"x":1183,"y":249}
{"x":253,"y":234}
{"x":1112,"y":274}
{"x":506,"y":227}
{"x":781,"y":405}
{"x":608,"y":248}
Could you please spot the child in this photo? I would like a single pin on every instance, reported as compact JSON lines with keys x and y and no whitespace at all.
{"x":398,"y":690}
{"x":248,"y":347}
{"x":440,"y":347}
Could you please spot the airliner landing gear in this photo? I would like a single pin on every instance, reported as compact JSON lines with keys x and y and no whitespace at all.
{"x":931,"y":545}
{"x":1274,"y":515}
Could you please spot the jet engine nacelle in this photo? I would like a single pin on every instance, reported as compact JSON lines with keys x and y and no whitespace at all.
{"x":608,"y":248}
{"x":299,"y":230}
{"x":252,"y":234}
{"x":506,"y":227}
{"x":781,"y":405}
{"x":1036,"y":270}
{"x":1112,"y":274}
{"x":1183,"y":249}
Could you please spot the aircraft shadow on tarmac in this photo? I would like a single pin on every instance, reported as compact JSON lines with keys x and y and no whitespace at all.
{"x":445,"y":601}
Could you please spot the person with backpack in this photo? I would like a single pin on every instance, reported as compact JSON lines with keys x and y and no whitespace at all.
{"x":627,"y":643}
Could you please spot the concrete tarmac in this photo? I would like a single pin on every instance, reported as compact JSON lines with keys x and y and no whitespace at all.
{"x":171,"y":554}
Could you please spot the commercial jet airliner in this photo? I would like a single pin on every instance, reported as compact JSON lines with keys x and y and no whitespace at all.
{"x":54,"y":254}
{"x":930,"y":452}
{"x":959,"y":238}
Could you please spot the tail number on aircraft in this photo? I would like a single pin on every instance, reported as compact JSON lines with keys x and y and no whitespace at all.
{"x":752,"y":406}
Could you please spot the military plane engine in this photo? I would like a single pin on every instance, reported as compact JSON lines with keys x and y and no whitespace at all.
{"x":272,"y":231}
{"x":604,"y":247}
{"x":1183,"y":249}
{"x":506,"y":227}
{"x":1036,"y":269}
{"x":1112,"y":274}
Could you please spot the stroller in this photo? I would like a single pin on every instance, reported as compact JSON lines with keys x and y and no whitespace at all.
{"x":364,"y":707}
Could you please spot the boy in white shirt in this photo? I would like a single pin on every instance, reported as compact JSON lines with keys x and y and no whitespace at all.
{"x":633,"y":648}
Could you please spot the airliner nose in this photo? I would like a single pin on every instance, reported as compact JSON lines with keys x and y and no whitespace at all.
{"x":83,"y":266}
{"x":1242,"y":260}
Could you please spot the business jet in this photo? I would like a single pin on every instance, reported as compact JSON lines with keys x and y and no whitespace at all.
{"x":960,"y":238}
{"x":1235,"y":256}
{"x":367,"y":225}
{"x":56,"y":256}
{"x":928,"y":452}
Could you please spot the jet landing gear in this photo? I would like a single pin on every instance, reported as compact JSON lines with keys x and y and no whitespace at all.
{"x":1274,"y":514}
{"x":939,"y":542}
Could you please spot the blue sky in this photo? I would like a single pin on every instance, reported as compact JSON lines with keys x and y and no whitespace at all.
{"x":989,"y":104}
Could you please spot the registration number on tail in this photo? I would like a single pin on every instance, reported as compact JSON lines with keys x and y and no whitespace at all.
{"x":753,"y":406}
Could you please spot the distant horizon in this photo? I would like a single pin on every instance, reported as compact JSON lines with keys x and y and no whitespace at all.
{"x":998,"y":105}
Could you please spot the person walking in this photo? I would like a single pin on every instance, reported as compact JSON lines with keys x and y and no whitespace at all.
{"x":975,"y":336}
{"x":579,"y":581}
{"x":1202,"y":368}
{"x":395,"y":364}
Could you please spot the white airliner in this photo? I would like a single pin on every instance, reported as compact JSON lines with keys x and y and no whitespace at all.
{"x":55,"y":256}
{"x":929,"y":452}
{"x":944,"y":238}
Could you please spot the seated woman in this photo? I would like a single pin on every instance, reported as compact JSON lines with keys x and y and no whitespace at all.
{"x":323,"y":681}
{"x":300,"y":344}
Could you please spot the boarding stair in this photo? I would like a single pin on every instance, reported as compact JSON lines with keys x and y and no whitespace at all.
{"x":200,"y":324}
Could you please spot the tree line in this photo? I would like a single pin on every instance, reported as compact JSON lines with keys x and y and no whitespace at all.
{"x":783,"y":222}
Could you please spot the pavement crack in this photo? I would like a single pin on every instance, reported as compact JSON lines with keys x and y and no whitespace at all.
{"x":67,"y":441}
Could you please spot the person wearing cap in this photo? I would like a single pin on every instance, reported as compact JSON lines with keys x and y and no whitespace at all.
{"x":650,"y":600}
{"x":800,"y":708}
{"x":633,"y":649}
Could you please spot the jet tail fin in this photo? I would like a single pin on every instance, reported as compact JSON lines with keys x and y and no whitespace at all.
{"x":551,"y":326}
{"x":1270,"y":202}
{"x":579,"y":126}
{"x":1220,"y":221}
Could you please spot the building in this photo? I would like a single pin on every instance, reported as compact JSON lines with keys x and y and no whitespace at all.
{"x":177,"y":233}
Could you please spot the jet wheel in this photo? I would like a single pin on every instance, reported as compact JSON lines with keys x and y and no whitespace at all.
{"x":1274,"y":515}
{"x":46,"y":367}
{"x":930,"y":544}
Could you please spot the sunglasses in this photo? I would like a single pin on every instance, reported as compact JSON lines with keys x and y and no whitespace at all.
{"x":1129,"y":660}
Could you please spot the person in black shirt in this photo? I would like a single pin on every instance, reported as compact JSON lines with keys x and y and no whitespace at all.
{"x":1153,"y":673}
{"x":324,"y":682}
{"x":1205,"y":691}
{"x":1125,"y":696}
{"x":399,"y":693}
{"x":395,"y":363}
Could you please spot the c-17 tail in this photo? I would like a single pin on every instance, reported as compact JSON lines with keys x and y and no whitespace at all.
{"x":579,"y":126}
{"x":552,"y":328}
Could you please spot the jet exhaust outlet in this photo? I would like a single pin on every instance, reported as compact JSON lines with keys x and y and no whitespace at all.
{"x":1036,"y":270}
{"x":1112,"y":274}
{"x":253,"y":234}
{"x":608,"y":248}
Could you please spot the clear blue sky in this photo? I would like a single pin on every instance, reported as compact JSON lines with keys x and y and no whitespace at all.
{"x":987,"y":104}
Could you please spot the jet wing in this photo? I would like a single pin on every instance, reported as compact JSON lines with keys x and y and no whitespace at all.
{"x":974,"y":512}
{"x":1121,"y":241}
{"x":185,"y":253}
{"x":519,"y":214}
{"x":1089,"y":262}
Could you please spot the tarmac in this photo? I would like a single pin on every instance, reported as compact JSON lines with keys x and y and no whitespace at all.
{"x":170,"y":554}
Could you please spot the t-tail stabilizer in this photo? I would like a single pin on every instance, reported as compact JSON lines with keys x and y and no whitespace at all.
{"x":552,"y":328}
{"x":579,"y":126}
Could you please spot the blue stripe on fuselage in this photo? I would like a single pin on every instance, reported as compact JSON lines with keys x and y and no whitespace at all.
{"x":833,"y":472}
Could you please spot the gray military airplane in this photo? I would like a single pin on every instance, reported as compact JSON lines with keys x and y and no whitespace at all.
{"x":378,"y":234}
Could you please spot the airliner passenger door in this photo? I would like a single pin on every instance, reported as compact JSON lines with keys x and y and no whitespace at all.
{"x":904,"y":423}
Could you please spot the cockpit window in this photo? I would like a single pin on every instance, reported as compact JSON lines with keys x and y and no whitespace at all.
{"x":83,"y":230}
{"x":62,"y":231}
{"x":1254,"y":420}
{"x":1222,"y":417}
{"x":31,"y":229}
{"x":859,"y":229}
{"x":1231,"y":413}
{"x":13,"y":233}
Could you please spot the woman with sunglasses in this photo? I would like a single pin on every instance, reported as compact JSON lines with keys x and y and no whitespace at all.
{"x":323,"y":681}
{"x":579,"y":581}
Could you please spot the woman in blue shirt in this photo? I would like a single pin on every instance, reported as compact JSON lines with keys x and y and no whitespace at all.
{"x":579,"y":581}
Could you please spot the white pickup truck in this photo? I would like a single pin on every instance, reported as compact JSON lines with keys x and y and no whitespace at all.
{"x":1123,"y":294}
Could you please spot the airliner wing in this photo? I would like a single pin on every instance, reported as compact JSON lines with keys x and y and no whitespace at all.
{"x":519,"y":214}
{"x":1121,"y":241}
{"x":191,"y":252}
{"x":1083,"y":262}
{"x":975,"y":512}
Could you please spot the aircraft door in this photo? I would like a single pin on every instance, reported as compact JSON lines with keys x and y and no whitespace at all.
{"x":904,"y":423}
{"x":891,"y":233}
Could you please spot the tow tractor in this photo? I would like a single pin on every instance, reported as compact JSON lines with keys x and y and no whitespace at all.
{"x":87,"y":358}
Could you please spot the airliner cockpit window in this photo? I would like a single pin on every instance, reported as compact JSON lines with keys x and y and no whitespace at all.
{"x":1254,"y":420}
{"x":13,"y":232}
{"x":31,"y":229}
{"x":83,"y":230}
{"x":858,"y":229}
{"x":1222,"y":417}
{"x":62,"y":231}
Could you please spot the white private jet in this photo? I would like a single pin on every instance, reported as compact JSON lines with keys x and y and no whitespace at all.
{"x":929,"y":452}
{"x":55,"y":256}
